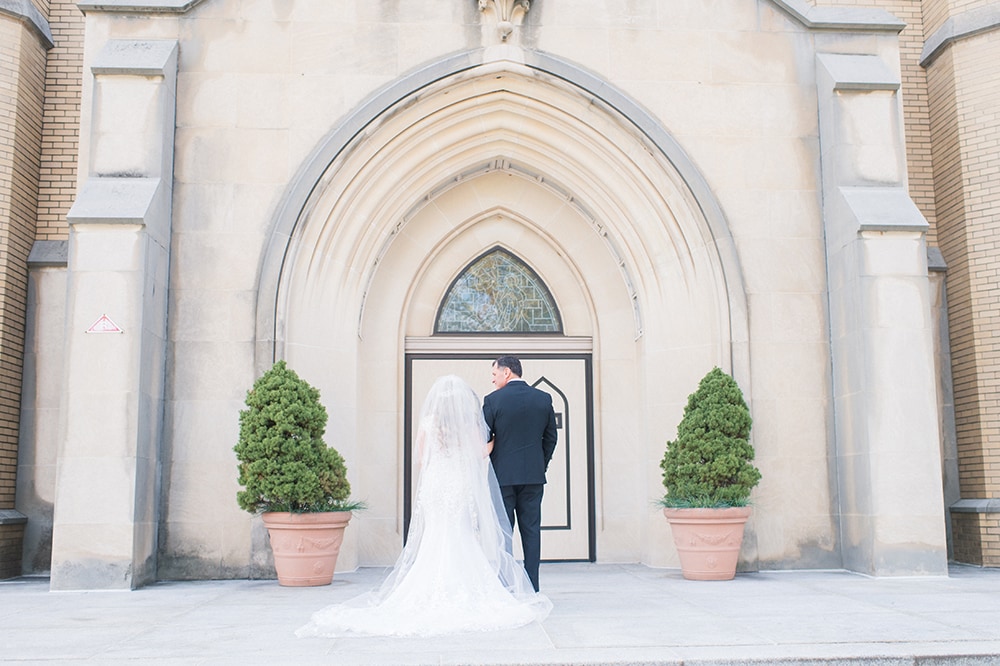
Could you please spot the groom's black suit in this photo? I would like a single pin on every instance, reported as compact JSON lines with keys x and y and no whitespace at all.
{"x":523,"y":426}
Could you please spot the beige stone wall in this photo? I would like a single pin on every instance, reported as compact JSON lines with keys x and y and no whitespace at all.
{"x":257,"y":92}
{"x":229,"y":66}
{"x":748,"y":122}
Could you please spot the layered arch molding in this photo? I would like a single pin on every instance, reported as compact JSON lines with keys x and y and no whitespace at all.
{"x":545,"y":161}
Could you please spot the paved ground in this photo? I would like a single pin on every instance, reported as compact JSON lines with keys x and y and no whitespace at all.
{"x":604,"y":614}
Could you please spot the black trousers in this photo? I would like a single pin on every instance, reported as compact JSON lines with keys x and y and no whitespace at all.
{"x":524,"y":503}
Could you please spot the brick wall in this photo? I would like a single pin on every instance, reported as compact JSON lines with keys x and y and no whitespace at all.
{"x":11,"y":538}
{"x":61,"y":129}
{"x":22,"y":67}
{"x":936,"y":12}
{"x":964,"y":87}
{"x":977,"y":538}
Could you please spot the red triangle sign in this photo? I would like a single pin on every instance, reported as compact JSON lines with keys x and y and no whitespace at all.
{"x":104,"y":325}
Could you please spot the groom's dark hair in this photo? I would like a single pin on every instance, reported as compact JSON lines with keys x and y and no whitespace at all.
{"x":511,"y":362}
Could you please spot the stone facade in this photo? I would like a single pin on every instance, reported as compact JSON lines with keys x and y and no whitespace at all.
{"x":754,"y":184}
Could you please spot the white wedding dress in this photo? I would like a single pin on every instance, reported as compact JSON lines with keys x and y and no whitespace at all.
{"x":455,"y":573}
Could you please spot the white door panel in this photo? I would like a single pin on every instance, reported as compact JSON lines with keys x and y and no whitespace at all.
{"x":566,"y":515}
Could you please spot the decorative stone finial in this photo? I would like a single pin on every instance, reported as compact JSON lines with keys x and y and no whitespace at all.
{"x":505,"y":13}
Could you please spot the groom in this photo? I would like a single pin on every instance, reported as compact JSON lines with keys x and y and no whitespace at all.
{"x":522,"y":426}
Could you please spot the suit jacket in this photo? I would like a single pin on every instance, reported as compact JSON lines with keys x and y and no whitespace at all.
{"x":522,"y":424}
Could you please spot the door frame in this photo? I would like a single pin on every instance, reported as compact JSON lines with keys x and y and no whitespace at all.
{"x":588,"y":372}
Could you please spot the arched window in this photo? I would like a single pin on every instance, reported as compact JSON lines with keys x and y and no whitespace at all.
{"x":498,"y":293}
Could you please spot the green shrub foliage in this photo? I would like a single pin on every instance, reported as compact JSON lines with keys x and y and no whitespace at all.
{"x":283,"y":463}
{"x":708,"y":465}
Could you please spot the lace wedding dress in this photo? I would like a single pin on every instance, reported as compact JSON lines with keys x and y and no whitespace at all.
{"x":455,"y":573}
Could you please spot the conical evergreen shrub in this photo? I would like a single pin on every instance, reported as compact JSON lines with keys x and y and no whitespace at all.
{"x":284,"y":465}
{"x":709,"y":464}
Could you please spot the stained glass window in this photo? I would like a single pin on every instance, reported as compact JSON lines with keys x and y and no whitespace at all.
{"x":498,"y":293}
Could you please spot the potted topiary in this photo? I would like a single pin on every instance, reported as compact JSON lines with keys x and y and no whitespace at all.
{"x":290,"y":477}
{"x":708,"y":476}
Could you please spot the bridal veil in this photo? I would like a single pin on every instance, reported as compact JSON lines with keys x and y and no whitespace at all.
{"x":455,"y":573}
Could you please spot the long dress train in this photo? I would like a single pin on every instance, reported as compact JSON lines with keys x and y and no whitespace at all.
{"x":455,"y":573}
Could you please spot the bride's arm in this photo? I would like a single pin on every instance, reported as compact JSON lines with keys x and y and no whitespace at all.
{"x":489,"y":448}
{"x":420,"y":448}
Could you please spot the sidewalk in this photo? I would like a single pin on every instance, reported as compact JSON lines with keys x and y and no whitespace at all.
{"x":604,"y":614}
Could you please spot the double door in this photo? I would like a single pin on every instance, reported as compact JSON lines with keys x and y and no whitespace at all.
{"x":568,"y":503}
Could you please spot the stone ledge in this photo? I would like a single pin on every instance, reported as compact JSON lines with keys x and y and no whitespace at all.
{"x":25,"y":11}
{"x":841,"y":18}
{"x":884,"y":209}
{"x":960,"y":26}
{"x":152,"y":57}
{"x":814,"y":18}
{"x":12,"y":517}
{"x":46,"y":253}
{"x":113,"y":201}
{"x":137,"y":6}
{"x":859,"y":72}
{"x":935,"y":260}
{"x":978,"y":505}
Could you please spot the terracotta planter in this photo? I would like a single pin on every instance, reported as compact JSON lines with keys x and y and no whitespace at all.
{"x":306,"y":545}
{"x":708,"y":540}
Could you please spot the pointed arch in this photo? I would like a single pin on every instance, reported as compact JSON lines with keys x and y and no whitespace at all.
{"x":558,"y":168}
{"x":498,"y":293}
{"x":306,"y":187}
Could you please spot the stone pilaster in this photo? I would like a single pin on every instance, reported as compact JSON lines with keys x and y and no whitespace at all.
{"x":885,"y":406}
{"x":105,"y":516}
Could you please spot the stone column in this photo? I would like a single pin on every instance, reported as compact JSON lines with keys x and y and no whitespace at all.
{"x":887,"y":454}
{"x":105,"y":516}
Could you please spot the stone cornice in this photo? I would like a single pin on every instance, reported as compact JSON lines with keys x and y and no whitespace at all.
{"x":26,"y":12}
{"x":137,"y":6}
{"x":983,"y":505}
{"x":841,"y":18}
{"x":960,"y":26}
{"x":814,"y":18}
{"x":48,"y":253}
{"x":12,"y":517}
{"x":151,"y":57}
{"x":113,"y":200}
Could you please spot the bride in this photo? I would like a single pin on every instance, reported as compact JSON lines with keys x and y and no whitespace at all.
{"x":455,"y":573}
